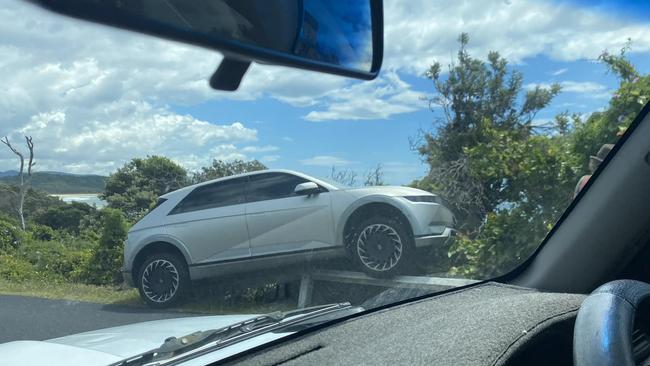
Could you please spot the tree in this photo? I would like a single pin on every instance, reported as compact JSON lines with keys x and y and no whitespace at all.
{"x":345,"y":176}
{"x":105,"y":264}
{"x":135,"y":187}
{"x":65,"y":217}
{"x":506,"y":176}
{"x":220,"y":169}
{"x":632,"y":95}
{"x":35,"y":202}
{"x":478,"y":101}
{"x":512,"y":178}
{"x":374,"y":176}
{"x":371,"y":177}
{"x":24,"y":183}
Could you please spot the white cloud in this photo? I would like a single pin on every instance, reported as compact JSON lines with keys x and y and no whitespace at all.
{"x":378,"y":99}
{"x":287,"y":139}
{"x":582,"y":86}
{"x":418,"y":32}
{"x":325,"y":160}
{"x":105,"y":94}
{"x":269,"y":158}
{"x":590,"y":88}
{"x":559,"y":72}
{"x":259,"y":149}
{"x":134,"y":130}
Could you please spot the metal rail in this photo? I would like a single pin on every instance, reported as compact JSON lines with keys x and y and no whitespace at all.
{"x":358,"y":278}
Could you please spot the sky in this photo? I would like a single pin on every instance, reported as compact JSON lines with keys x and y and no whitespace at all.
{"x":93,"y":97}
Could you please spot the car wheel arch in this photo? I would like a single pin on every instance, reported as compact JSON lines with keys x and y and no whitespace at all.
{"x":368,"y":208}
{"x":155,"y":247}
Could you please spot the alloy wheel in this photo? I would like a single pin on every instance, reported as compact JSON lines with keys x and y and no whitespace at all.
{"x":160,"y":280}
{"x":379,"y":247}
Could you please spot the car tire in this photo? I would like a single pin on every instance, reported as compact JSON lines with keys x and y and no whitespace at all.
{"x":382,"y":247}
{"x":163,"y":280}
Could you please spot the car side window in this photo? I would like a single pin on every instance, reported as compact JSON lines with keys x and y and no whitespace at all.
{"x":220,"y":194}
{"x":270,"y":186}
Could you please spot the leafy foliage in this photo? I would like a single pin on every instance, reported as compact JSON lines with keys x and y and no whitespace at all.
{"x":41,"y":232}
{"x":35,"y":201}
{"x":626,"y":103}
{"x":16,"y":269}
{"x":478,"y":99}
{"x":509,"y":178}
{"x":106,"y":262}
{"x":65,"y":217}
{"x":135,"y":187}
{"x":55,"y":260}
{"x":10,"y":236}
{"x":220,"y":169}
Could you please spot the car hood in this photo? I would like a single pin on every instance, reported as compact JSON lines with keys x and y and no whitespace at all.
{"x":105,"y":346}
{"x":390,"y":191}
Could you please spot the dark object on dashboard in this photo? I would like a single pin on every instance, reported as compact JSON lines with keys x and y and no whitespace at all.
{"x":336,"y":37}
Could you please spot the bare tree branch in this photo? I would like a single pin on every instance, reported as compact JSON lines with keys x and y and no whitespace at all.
{"x":21,"y":173}
{"x":13,"y":149}
{"x":30,"y":146}
{"x":374,"y":176}
{"x":346,"y":176}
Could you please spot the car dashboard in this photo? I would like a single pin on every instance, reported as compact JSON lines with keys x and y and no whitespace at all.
{"x":484,"y":324}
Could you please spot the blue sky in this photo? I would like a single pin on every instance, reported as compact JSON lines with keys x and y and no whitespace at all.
{"x":94,"y":97}
{"x":360,"y":145}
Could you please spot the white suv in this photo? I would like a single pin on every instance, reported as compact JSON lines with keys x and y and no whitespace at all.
{"x":276,"y":217}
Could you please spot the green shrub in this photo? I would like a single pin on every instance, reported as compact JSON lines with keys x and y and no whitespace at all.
{"x":10,"y":236}
{"x":105,"y":265}
{"x":55,"y":260}
{"x":15,"y":269}
{"x":65,"y":217}
{"x":41,"y":232}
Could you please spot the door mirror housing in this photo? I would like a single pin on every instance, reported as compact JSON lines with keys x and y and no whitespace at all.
{"x":336,"y":37}
{"x":307,"y":188}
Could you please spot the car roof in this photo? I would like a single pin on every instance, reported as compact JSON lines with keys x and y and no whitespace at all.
{"x":265,"y":171}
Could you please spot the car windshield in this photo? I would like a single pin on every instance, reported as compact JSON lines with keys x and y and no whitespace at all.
{"x":487,"y":120}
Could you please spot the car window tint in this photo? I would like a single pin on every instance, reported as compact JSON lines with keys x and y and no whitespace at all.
{"x":226,"y":193}
{"x":271,"y":186}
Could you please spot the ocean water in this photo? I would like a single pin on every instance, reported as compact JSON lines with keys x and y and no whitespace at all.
{"x":89,"y":198}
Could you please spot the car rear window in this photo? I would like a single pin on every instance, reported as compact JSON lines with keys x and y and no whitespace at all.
{"x":220,"y":194}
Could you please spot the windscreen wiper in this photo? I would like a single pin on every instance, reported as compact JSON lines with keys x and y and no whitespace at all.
{"x":214,"y":339}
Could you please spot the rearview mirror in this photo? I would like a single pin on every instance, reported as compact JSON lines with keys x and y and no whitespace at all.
{"x":337,"y":37}
{"x":306,"y":188}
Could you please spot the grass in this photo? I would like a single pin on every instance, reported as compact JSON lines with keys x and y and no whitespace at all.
{"x":203,"y":300}
{"x":71,"y":291}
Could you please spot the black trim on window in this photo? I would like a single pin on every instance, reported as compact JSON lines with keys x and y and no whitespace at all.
{"x":219,"y":194}
{"x":273,"y":186}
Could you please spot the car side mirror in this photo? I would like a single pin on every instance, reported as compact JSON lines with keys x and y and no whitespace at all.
{"x":306,"y":188}
{"x":336,"y":37}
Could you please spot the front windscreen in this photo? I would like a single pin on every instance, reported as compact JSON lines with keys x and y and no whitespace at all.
{"x":487,"y":120}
